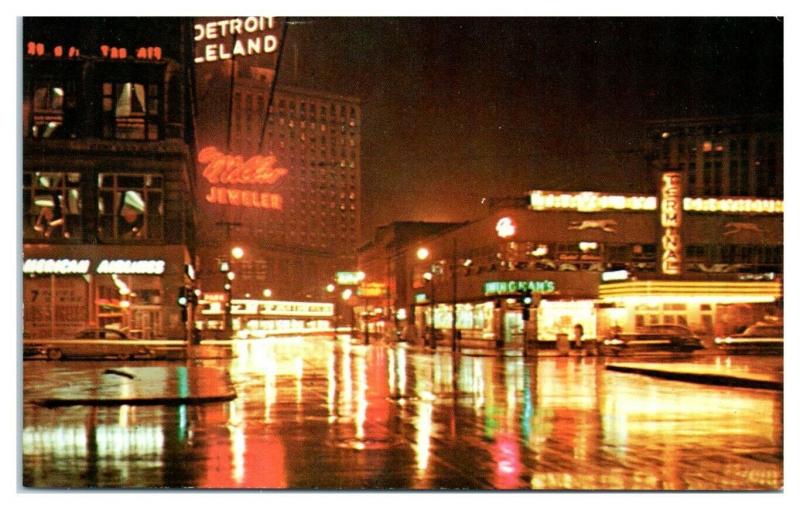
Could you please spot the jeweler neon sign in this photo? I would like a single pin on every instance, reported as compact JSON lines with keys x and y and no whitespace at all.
{"x":228,"y":169}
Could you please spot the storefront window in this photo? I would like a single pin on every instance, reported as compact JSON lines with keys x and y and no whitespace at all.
{"x":130,"y":206}
{"x":54,"y":306}
{"x":561,"y":317}
{"x":666,"y":313}
{"x":131,"y":303}
{"x":51,"y":205}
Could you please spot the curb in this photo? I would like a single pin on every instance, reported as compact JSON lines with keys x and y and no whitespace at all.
{"x":701,"y":378}
{"x":112,"y":402}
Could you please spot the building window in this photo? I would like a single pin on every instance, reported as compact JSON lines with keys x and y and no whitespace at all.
{"x":52,"y":107}
{"x":130,"y":206}
{"x":131,"y":111}
{"x":52,"y":205}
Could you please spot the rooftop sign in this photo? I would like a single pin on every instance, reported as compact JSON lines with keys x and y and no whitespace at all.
{"x":590,"y":201}
{"x":224,"y":39}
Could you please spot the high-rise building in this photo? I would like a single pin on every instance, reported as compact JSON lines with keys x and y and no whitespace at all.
{"x":107,"y":175}
{"x":721,"y":156}
{"x":310,"y":229}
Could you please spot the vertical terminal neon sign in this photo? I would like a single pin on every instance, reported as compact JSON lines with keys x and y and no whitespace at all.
{"x":671,"y":212}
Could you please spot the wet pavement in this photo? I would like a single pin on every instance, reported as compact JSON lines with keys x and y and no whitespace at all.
{"x":314,"y":413}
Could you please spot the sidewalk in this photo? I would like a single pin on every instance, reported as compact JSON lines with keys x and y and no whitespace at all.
{"x":702,"y":374}
{"x":128,"y":385}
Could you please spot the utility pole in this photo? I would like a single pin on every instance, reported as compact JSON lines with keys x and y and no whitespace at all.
{"x":454,"y":266}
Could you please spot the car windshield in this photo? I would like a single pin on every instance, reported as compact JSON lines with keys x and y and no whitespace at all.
{"x":768,"y":331}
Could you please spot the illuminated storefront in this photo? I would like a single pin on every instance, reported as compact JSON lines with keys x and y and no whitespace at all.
{"x":62,"y":296}
{"x":593,"y":259}
{"x":252,"y":318}
{"x":706,"y":307}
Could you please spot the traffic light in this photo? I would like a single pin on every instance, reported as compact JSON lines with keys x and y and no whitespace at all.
{"x":527,"y":300}
{"x":183,"y":297}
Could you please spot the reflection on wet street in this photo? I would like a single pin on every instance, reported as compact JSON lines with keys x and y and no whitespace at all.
{"x":314,"y":413}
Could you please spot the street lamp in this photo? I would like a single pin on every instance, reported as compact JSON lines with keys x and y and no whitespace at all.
{"x":428,"y":276}
{"x":237,"y":252}
{"x":267,"y":293}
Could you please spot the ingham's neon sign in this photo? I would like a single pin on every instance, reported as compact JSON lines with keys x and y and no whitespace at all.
{"x":671,"y":222}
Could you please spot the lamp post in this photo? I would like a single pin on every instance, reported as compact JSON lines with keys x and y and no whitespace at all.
{"x":225,"y":268}
{"x":331,"y":289}
{"x":422,"y":254}
{"x":346,"y":295}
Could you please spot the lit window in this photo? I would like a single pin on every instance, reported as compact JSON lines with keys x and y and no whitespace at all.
{"x":130,"y":206}
{"x":52,"y":205}
{"x":131,"y":111}
{"x":49,"y":107}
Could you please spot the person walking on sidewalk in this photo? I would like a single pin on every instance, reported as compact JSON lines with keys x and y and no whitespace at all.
{"x":578,"y":332}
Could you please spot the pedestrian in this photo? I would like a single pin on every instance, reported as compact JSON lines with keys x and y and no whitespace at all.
{"x":578,"y":331}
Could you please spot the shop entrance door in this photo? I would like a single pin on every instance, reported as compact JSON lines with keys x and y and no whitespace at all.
{"x":146,"y":322}
{"x":512,"y":328}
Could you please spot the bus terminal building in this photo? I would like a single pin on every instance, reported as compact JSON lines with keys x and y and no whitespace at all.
{"x":601,"y":260}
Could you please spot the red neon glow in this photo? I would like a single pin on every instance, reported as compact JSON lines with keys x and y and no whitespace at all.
{"x":224,"y":168}
{"x":113,"y":52}
{"x":245,"y":198}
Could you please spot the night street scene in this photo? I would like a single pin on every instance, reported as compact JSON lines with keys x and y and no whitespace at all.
{"x":401,"y":253}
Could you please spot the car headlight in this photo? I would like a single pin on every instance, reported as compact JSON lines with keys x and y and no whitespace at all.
{"x":613,"y":341}
{"x":719,"y":340}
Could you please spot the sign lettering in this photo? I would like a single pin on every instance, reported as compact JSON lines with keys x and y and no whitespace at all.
{"x":59,"y":266}
{"x":514,"y":286}
{"x":671,"y":221}
{"x":254,"y":42}
{"x":131,"y":267}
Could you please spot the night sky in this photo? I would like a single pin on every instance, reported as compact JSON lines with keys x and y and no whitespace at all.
{"x":455,"y":109}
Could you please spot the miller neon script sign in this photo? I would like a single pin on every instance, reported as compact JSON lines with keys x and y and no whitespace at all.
{"x":671,"y":213}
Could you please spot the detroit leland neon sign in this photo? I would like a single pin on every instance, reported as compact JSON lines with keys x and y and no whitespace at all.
{"x":223,"y":170}
{"x":671,"y":222}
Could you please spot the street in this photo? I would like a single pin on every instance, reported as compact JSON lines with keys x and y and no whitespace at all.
{"x":318,"y":413}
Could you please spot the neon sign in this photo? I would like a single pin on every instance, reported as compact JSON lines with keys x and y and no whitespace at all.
{"x":131,"y":267}
{"x":671,"y":221}
{"x":280,"y":308}
{"x":512,"y":286}
{"x":250,"y":45}
{"x":53,"y":266}
{"x":735,"y":205}
{"x":590,"y":201}
{"x":228,"y":169}
{"x":505,"y":227}
{"x":349,"y":277}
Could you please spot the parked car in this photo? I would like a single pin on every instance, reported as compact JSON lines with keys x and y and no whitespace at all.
{"x":101,"y":334}
{"x":95,"y":343}
{"x":757,"y":337}
{"x":661,"y":337}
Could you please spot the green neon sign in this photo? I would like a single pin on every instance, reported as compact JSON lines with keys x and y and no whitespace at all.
{"x":515,"y":286}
